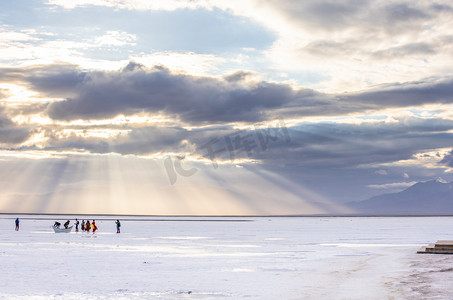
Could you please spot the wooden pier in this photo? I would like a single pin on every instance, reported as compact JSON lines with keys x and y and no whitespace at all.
{"x":440,"y":247}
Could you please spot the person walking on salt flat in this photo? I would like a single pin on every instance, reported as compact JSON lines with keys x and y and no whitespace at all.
{"x":17,"y":224}
{"x":76,"y":225}
{"x":83,"y":225}
{"x":88,"y":226}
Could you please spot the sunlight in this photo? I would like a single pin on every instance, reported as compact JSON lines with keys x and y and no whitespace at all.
{"x":116,"y":184}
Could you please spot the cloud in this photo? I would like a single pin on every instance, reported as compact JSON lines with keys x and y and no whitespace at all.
{"x":239,"y":76}
{"x":325,"y":45}
{"x":199,"y":100}
{"x":327,"y":15}
{"x":355,"y":45}
{"x":10,"y":133}
{"x":3,"y":93}
{"x":320,"y":146}
{"x":115,"y":38}
{"x":391,"y":17}
{"x":392,"y":186}
{"x":191,"y":99}
{"x":420,"y":48}
{"x":203,"y":109}
{"x":91,"y":48}
{"x":381,"y":172}
{"x":447,"y":160}
{"x":406,"y":94}
{"x":134,"y":4}
{"x":189,"y":62}
{"x":347,"y":145}
{"x":23,"y":110}
{"x":55,"y":80}
{"x":210,"y":72}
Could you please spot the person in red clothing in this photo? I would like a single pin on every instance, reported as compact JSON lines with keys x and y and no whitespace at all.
{"x":94,"y":226}
{"x":88,"y":226}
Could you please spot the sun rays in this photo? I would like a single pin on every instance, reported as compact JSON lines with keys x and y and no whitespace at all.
{"x":115,"y":184}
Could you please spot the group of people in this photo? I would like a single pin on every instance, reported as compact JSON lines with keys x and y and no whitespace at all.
{"x":85,"y":226}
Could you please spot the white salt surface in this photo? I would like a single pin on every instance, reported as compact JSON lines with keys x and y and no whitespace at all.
{"x":252,"y":258}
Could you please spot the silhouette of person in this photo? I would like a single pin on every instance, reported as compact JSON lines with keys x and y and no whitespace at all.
{"x":17,"y":224}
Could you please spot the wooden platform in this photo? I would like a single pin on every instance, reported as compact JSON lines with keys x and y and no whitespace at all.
{"x":440,"y":247}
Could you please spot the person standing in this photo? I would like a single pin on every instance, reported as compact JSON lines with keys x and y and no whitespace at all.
{"x":76,"y":225}
{"x":118,"y":225}
{"x":87,"y":226}
{"x":17,"y":224}
{"x":93,"y":225}
{"x":83,"y":225}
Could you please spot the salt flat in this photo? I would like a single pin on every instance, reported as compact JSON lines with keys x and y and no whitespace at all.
{"x":227,"y":258}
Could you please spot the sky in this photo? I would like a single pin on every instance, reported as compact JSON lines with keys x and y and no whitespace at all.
{"x":221,"y":107}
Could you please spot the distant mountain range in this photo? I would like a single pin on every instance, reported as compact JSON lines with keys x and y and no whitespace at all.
{"x":433,"y":197}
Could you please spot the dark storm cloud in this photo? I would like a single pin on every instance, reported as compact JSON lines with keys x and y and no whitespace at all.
{"x":206,"y":100}
{"x":192,"y":99}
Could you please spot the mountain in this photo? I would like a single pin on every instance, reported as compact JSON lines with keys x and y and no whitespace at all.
{"x":433,"y":197}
